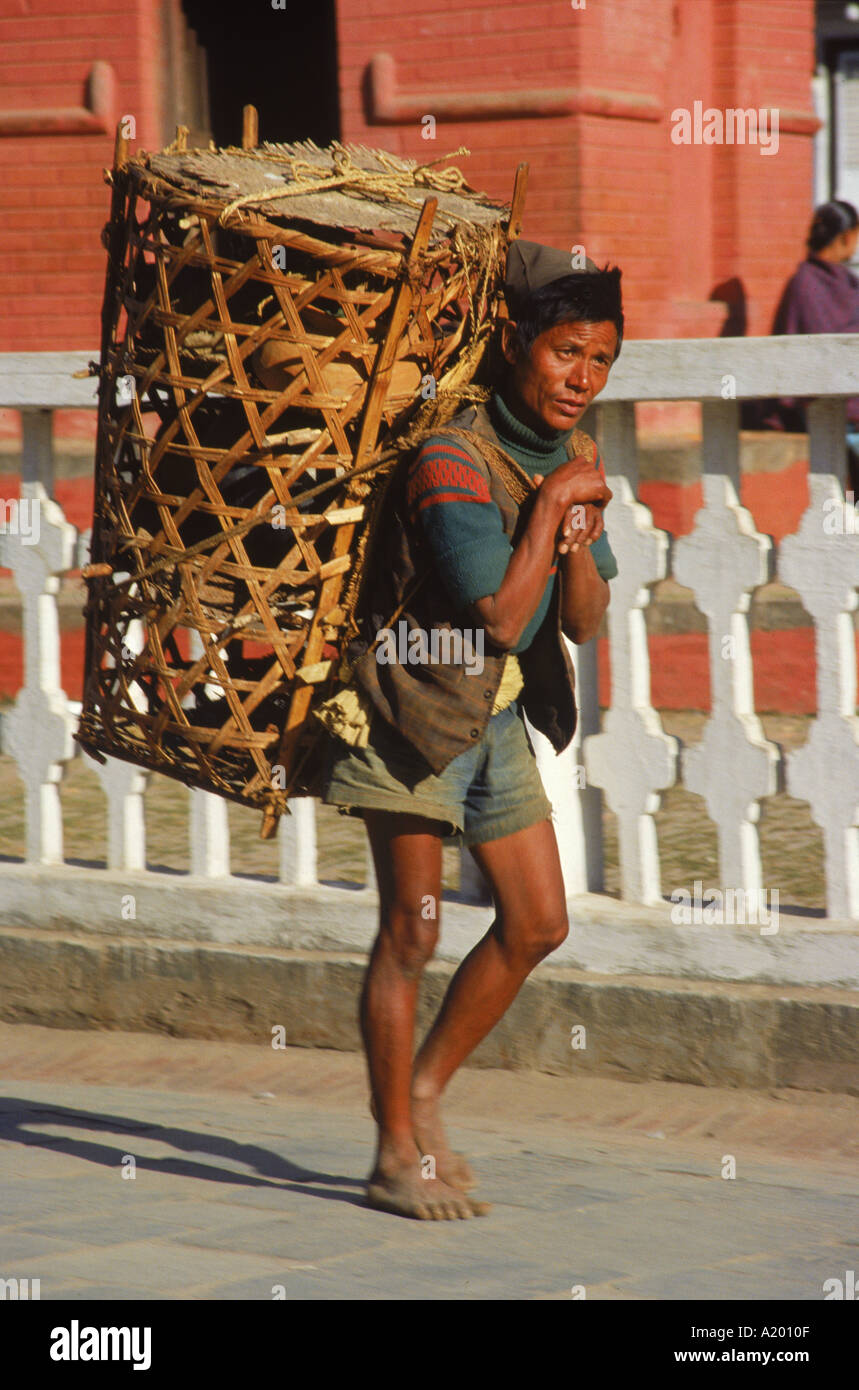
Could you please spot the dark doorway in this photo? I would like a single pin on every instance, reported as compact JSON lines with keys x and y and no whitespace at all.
{"x":282,"y":61}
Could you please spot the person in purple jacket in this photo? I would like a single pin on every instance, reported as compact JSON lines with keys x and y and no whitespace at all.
{"x":822,"y":296}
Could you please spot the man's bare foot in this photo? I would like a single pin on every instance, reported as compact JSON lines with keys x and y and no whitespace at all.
{"x":431,"y":1140}
{"x":403,"y":1190}
{"x":429,"y":1133}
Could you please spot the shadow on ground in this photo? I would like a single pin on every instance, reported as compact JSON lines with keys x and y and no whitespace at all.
{"x":275,"y":1171}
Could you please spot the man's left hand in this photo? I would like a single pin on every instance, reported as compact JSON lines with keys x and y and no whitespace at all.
{"x":581,"y":527}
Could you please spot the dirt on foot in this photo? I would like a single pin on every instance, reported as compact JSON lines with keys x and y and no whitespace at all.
{"x":452,"y":1168}
{"x":409,"y":1192}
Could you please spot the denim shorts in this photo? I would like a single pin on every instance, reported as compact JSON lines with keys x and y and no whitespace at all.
{"x":488,"y":791}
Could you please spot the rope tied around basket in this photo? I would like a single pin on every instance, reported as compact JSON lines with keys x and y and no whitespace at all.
{"x":387,"y":186}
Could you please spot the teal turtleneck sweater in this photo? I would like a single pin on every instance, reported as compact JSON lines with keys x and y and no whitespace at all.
{"x":463,"y":525}
{"x":537,"y":453}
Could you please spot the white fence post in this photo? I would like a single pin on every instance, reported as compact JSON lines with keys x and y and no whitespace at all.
{"x":823,"y":566}
{"x":297,"y":843}
{"x":721,"y":562}
{"x":37,"y":543}
{"x":633,"y":758}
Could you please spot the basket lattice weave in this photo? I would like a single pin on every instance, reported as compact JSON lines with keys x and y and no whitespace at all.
{"x":271,"y":322}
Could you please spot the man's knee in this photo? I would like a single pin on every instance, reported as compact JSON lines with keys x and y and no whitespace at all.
{"x":549,"y":933}
{"x":539,"y":937}
{"x":413,"y":937}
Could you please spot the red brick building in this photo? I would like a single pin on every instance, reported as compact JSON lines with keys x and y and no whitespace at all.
{"x":582,"y":89}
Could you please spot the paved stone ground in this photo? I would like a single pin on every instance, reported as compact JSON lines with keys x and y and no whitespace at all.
{"x":250,"y":1165}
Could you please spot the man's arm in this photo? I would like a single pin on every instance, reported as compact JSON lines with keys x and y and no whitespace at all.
{"x":584,"y":595}
{"x":506,"y":613}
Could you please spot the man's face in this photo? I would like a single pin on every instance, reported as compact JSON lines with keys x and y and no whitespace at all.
{"x":567,"y":366}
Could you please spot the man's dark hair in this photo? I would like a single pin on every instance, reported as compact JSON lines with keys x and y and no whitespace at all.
{"x":586,"y":297}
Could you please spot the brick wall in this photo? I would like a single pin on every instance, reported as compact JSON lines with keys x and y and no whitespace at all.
{"x":765,"y":57}
{"x":681,"y":220}
{"x":54,"y":201}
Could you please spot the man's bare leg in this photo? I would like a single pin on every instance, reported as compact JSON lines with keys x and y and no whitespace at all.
{"x":407,"y":855}
{"x":524,"y":873}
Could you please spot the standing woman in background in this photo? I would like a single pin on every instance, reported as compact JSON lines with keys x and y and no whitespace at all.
{"x":822,"y":296}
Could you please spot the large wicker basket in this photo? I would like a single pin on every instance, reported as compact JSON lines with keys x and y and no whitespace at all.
{"x":277,"y":321}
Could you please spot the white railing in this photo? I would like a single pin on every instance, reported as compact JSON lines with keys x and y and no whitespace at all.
{"x":630,"y":759}
{"x":722,"y":562}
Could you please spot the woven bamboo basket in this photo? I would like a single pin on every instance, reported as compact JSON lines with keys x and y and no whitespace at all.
{"x":279,"y":322}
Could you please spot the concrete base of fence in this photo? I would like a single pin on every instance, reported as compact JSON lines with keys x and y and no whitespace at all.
{"x":643,"y":1028}
{"x":607,"y":937}
{"x":725,"y":1005}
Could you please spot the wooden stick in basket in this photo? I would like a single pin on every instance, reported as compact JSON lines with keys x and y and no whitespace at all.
{"x":517,"y":203}
{"x":373,"y":406}
{"x":250,"y":127}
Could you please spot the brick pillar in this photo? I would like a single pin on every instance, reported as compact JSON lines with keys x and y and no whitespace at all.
{"x":764,"y":58}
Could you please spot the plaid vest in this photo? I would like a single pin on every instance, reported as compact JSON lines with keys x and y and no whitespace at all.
{"x":442,"y":707}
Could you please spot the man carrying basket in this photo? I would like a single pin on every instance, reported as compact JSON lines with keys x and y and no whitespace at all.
{"x":494,"y":527}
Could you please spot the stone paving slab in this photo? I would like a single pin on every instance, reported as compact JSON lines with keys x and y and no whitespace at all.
{"x":255,"y":1180}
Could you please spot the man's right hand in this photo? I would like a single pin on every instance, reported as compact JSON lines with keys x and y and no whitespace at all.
{"x":577,"y":481}
{"x":575,"y":484}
